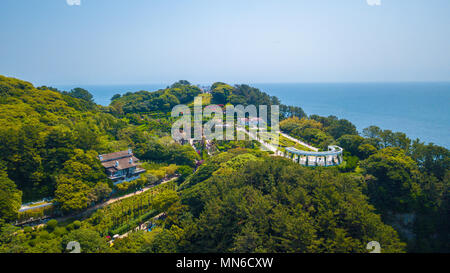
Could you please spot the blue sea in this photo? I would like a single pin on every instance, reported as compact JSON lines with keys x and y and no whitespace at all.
{"x":421,"y":110}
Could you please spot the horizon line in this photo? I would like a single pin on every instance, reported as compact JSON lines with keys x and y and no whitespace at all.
{"x":247,"y":83}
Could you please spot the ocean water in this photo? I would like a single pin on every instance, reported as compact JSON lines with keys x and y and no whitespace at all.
{"x":421,"y":110}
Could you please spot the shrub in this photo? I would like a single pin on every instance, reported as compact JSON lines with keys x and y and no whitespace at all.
{"x":27,"y":229}
{"x":59,"y":231}
{"x":51,"y":225}
{"x":76,"y":224}
{"x":70,"y":227}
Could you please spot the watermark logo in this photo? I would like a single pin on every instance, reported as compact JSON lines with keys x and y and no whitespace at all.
{"x":227,"y":123}
{"x":373,"y":2}
{"x":73,"y":2}
{"x":374,"y":246}
{"x":74,"y":247}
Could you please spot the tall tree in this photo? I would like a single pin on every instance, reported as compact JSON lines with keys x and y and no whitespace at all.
{"x":10,"y":197}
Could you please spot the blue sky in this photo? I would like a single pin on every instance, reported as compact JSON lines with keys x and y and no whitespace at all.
{"x":236,"y":41}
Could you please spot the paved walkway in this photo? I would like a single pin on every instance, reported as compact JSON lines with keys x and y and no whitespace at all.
{"x":30,"y":207}
{"x":299,"y":142}
{"x":106,"y":203}
{"x":135,"y":229}
{"x":252,"y":136}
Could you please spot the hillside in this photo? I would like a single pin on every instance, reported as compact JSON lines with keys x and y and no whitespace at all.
{"x":239,"y":199}
{"x":50,"y":140}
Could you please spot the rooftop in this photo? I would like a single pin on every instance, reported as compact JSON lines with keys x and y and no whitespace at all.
{"x":119,"y":160}
{"x":123,"y":163}
{"x":116,"y":155}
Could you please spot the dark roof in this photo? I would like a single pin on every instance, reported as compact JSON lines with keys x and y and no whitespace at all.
{"x":123,"y":158}
{"x":124,"y":163}
{"x":116,"y":155}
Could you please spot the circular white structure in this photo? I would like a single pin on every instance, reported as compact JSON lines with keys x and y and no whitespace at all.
{"x":332,"y":157}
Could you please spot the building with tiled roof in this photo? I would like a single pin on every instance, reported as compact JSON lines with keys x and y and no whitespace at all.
{"x":121,"y":166}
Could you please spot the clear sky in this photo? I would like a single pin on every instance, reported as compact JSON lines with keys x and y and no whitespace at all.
{"x":251,"y":41}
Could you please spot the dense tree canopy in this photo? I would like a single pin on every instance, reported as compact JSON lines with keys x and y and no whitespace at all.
{"x":10,"y":197}
{"x":163,"y":100}
{"x":274,"y":205}
{"x":50,"y":141}
{"x":246,"y":95}
{"x":393,"y":186}
{"x":44,"y":133}
{"x":389,"y":189}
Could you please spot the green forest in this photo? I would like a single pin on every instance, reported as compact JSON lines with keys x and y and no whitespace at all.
{"x":239,"y":199}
